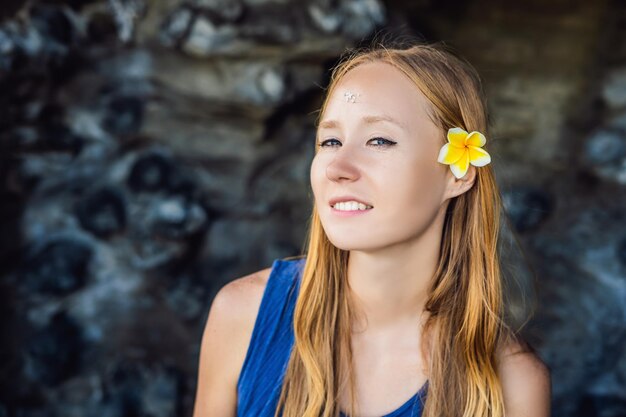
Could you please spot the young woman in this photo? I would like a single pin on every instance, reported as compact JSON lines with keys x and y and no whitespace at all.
{"x":396,"y":309}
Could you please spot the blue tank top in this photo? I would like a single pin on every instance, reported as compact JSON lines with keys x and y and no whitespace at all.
{"x":264,"y":366}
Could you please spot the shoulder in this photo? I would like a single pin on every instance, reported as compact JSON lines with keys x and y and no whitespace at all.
{"x":243,"y":292}
{"x":240,"y":299}
{"x":225,"y":341}
{"x":233,"y":313}
{"x":238,"y":302}
{"x":525,"y":379}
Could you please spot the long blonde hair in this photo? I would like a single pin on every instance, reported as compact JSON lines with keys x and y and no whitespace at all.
{"x":466,"y":324}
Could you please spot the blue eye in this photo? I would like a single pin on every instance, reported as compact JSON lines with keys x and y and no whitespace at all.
{"x":385,"y":142}
{"x":321,"y":144}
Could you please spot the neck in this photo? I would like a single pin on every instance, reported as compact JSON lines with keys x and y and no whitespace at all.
{"x":390,"y":286}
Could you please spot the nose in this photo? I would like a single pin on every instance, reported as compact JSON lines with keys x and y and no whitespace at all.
{"x":343,"y":166}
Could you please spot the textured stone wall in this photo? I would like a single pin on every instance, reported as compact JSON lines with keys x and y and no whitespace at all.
{"x":153,"y":151}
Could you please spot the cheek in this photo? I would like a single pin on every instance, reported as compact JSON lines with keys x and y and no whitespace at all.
{"x":316,"y":175}
{"x":418,"y":186}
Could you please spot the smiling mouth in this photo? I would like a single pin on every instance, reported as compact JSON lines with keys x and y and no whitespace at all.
{"x":351,"y":206}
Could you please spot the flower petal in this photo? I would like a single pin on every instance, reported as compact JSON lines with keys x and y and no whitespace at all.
{"x":478,"y":156}
{"x":459,"y":168}
{"x":456,"y":136}
{"x":449,"y":154}
{"x":475,"y":139}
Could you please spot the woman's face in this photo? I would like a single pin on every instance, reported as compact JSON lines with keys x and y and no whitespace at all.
{"x":389,"y":165}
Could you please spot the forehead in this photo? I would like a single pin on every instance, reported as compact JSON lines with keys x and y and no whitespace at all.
{"x":379,"y":89}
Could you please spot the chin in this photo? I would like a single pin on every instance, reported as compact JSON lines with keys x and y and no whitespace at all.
{"x":349,"y":243}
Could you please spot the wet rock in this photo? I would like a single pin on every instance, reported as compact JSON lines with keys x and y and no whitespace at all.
{"x":7,"y":51}
{"x":614,"y":89}
{"x":57,"y":267}
{"x":228,"y":31}
{"x":605,"y":147}
{"x":605,"y":154}
{"x":176,"y":218}
{"x":621,"y":251}
{"x":154,"y":171}
{"x":206,"y":130}
{"x":134,"y":388}
{"x":232,"y":240}
{"x":47,"y":40}
{"x":205,"y":37}
{"x":266,"y":86}
{"x":289,"y":172}
{"x":150,"y":173}
{"x":263,"y":85}
{"x":126,"y":14}
{"x":55,"y":25}
{"x":186,"y":295}
{"x":44,"y":132}
{"x":36,"y":169}
{"x":527,"y":207}
{"x":58,"y":137}
{"x":20,"y":44}
{"x":618,"y":121}
{"x":53,"y":353}
{"x":227,"y":10}
{"x":352,"y":18}
{"x":175,"y":27}
{"x":101,"y":27}
{"x":273,"y":24}
{"x":102,"y":211}
{"x":123,"y":115}
{"x":151,"y":254}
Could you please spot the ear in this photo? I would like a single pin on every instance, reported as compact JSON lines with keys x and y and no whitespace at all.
{"x":457,"y":186}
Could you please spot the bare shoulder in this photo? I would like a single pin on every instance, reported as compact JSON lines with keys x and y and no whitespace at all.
{"x":243,"y":295}
{"x":225,"y":339}
{"x":526,"y":381}
{"x":237,"y":304}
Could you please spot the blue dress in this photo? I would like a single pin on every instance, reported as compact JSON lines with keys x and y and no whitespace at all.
{"x":264,"y":366}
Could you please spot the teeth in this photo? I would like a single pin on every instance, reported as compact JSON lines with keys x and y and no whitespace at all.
{"x":351,"y":206}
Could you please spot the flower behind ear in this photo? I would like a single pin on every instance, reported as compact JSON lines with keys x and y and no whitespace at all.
{"x":463,"y":149}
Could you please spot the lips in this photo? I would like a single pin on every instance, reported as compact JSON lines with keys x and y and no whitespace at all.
{"x":347,"y":198}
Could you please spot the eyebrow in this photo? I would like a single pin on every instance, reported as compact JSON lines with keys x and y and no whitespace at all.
{"x":331,"y":124}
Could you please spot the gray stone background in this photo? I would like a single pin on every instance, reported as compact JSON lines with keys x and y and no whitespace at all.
{"x":151,"y":151}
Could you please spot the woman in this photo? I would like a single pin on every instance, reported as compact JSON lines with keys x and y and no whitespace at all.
{"x":397,"y":308}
